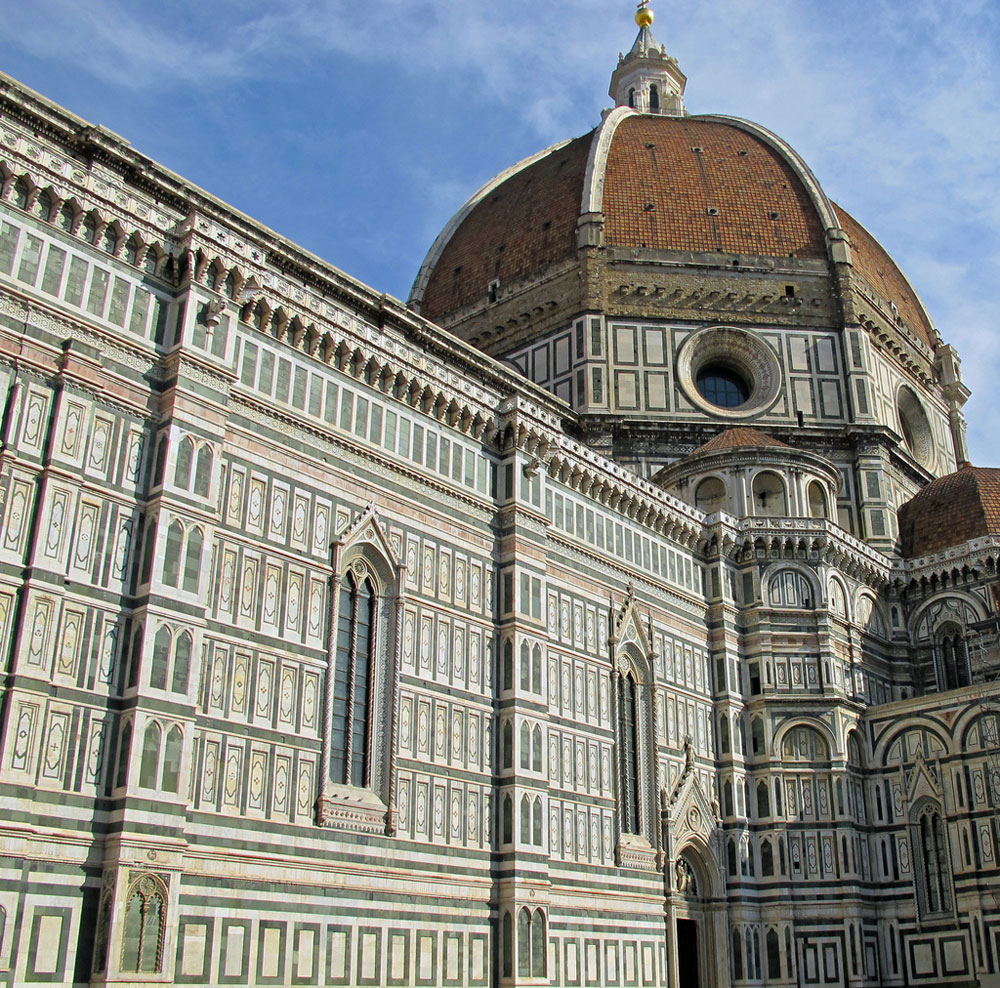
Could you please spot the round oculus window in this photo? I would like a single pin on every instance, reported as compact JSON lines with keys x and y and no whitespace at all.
{"x":728,"y":372}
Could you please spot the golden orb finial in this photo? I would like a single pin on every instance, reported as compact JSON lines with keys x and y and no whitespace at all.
{"x":644,"y":16}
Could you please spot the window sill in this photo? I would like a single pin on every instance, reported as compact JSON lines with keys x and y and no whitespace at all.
{"x":352,"y":808}
{"x":635,"y":852}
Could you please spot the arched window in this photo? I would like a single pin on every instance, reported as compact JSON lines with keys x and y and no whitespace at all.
{"x":508,"y":665}
{"x":536,"y":822}
{"x":769,"y":494}
{"x":508,"y":745}
{"x":536,"y":669}
{"x":22,"y":194}
{"x":150,"y":756}
{"x":43,"y":206}
{"x":531,"y":946}
{"x":145,"y":920}
{"x":151,"y":261}
{"x":172,"y":554}
{"x":766,"y":858}
{"x":763,"y":800}
{"x":135,"y":658}
{"x":933,"y":871}
{"x":158,"y":463}
{"x":161,"y":659}
{"x":203,"y":472}
{"x":124,"y":746}
{"x":654,"y":99}
{"x":182,"y":664}
{"x":817,"y":501}
{"x":132,"y":247}
{"x":724,"y":732}
{"x":804,"y":744}
{"x":731,"y":857}
{"x":507,"y":823}
{"x":524,"y":943}
{"x":109,"y":239}
{"x":192,"y":560}
{"x":89,"y":229}
{"x":757,"y":736}
{"x":538,"y":952}
{"x":631,"y":98}
{"x":790,"y":588}
{"x":525,"y":744}
{"x":951,"y":657}
{"x":229,"y":287}
{"x":525,"y":666}
{"x":525,"y":820}
{"x":172,"y":760}
{"x":536,"y":749}
{"x":182,"y":469}
{"x":727,"y":799}
{"x":67,"y":217}
{"x":351,"y":737}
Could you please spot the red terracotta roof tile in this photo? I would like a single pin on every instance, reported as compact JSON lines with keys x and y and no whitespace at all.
{"x":737,"y":438}
{"x":951,"y":510}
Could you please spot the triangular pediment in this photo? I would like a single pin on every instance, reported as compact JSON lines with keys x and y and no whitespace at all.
{"x":628,"y":626}
{"x":691,"y":813}
{"x":922,"y":781}
{"x":367,"y":529}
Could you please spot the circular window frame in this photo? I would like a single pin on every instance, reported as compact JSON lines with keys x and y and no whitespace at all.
{"x":914,"y":427}
{"x":740,"y":351}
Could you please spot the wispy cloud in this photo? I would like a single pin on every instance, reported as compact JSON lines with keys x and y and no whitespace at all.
{"x":892,"y":103}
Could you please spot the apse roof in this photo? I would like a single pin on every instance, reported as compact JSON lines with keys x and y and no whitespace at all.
{"x":951,"y":510}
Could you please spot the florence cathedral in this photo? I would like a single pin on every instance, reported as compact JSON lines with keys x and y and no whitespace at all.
{"x":621,"y":610}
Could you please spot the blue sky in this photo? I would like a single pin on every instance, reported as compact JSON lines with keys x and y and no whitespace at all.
{"x":356,"y":130}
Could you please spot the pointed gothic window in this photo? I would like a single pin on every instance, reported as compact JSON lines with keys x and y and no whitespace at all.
{"x":351,"y":738}
{"x":145,"y":916}
{"x":631,"y":821}
{"x":933,"y":872}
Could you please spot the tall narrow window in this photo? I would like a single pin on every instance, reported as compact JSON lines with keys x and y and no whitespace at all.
{"x":161,"y":657}
{"x":182,"y":469}
{"x":934,"y":873}
{"x":508,"y":946}
{"x":203,"y":472}
{"x":350,"y":741}
{"x":172,"y":760}
{"x":524,"y":944}
{"x":631,"y":822}
{"x":182,"y":664}
{"x":654,"y":99}
{"x":192,"y":560}
{"x":172,"y":554}
{"x":150,"y":756}
{"x":124,"y":746}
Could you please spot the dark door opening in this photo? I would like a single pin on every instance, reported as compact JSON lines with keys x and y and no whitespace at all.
{"x":687,"y":953}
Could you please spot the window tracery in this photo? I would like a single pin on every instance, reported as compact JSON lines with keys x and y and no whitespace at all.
{"x":145,"y":924}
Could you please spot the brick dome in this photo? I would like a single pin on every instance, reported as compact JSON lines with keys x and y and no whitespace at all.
{"x":951,"y":510}
{"x":658,"y":183}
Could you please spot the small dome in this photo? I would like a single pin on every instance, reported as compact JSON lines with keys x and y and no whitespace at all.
{"x":739,"y":438}
{"x":951,"y":510}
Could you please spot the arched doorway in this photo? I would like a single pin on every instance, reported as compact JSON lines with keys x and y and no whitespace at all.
{"x":693,"y":920}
